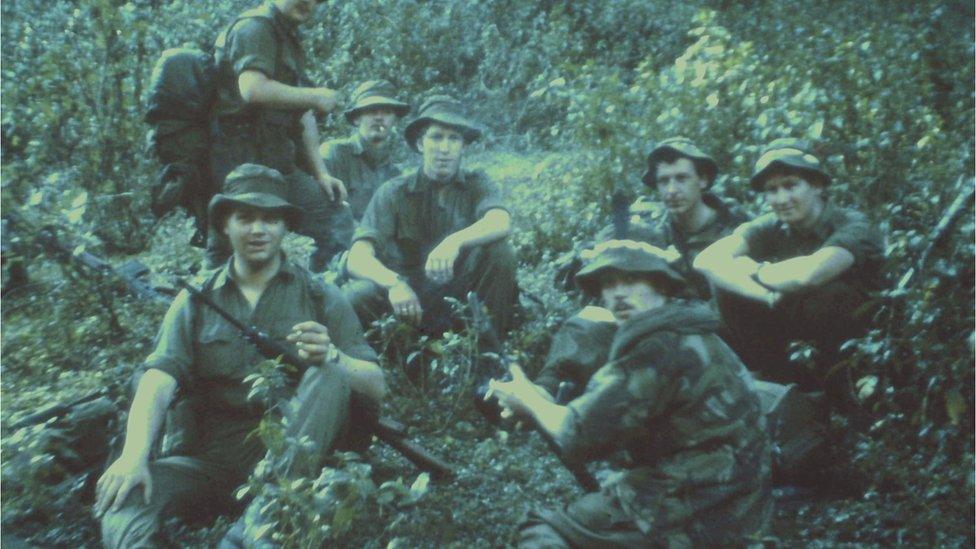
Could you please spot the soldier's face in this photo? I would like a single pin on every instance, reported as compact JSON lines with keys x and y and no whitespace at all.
{"x":679,"y":185}
{"x":628,"y":294}
{"x":794,"y":200}
{"x":296,"y":10}
{"x":375,"y":124}
{"x":442,"y":148}
{"x":255,"y":235}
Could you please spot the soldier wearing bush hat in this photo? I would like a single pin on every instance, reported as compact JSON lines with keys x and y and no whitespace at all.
{"x":667,"y":372}
{"x":200,"y":360}
{"x":686,"y":218}
{"x":370,"y":156}
{"x":801,"y":272}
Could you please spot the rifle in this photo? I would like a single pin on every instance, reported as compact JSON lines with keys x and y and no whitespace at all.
{"x":483,"y":326}
{"x":57,"y":410}
{"x":385,"y":429}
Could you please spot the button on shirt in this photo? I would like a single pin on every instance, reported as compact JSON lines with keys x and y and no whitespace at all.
{"x":362,"y":169}
{"x":411,"y":214}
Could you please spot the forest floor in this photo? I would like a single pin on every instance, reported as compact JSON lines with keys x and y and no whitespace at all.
{"x":500,"y":475}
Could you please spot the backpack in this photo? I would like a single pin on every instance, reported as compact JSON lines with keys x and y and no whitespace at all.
{"x":179,"y":102}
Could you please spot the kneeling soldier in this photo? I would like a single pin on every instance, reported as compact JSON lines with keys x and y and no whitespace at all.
{"x":201,"y":357}
{"x":672,"y":396}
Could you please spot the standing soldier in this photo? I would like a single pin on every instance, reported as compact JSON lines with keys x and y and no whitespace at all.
{"x":693,"y":218}
{"x":440,"y":231}
{"x":676,"y":400}
{"x":802,"y":272}
{"x":367,"y":158}
{"x":265,"y":114}
{"x":200,"y":357}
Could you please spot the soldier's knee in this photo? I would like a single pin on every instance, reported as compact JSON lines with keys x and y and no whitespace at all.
{"x":134,"y":525}
{"x":500,"y":256}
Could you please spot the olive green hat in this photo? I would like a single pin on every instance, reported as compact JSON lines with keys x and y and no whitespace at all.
{"x":255,"y":186}
{"x":445,"y":110}
{"x":631,"y":257}
{"x":683,"y":147}
{"x":792,"y":154}
{"x":372,"y":94}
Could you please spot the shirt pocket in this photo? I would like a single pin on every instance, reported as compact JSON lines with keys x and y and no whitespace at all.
{"x":221,"y":352}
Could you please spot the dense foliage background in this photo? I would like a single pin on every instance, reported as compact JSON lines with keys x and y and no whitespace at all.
{"x":575,"y":94}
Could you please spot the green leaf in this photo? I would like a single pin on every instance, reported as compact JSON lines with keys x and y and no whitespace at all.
{"x":955,"y":406}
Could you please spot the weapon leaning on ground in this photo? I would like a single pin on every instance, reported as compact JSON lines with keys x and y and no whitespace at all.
{"x":57,"y":410}
{"x":482,"y":325}
{"x":385,"y":429}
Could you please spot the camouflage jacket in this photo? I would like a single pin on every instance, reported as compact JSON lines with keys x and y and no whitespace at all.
{"x":681,"y":406}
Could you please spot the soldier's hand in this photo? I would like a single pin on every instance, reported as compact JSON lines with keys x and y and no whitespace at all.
{"x":118,"y":480}
{"x":440,"y":261}
{"x":333,"y":187}
{"x":405,"y":303}
{"x":324,"y":99}
{"x":313,"y":342}
{"x":515,"y":396}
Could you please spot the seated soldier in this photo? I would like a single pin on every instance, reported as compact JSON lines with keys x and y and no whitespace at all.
{"x":367,"y":158}
{"x":200,"y":356}
{"x":676,"y":400}
{"x":437,"y":232}
{"x":802,"y":272}
{"x":693,"y":218}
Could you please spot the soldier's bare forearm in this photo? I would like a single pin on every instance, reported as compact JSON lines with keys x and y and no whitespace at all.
{"x":149,"y":405}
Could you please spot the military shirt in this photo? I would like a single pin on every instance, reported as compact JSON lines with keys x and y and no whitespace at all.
{"x":362,"y":170}
{"x":660,"y":230}
{"x":209,"y":358}
{"x":411,"y":214}
{"x":770,"y":239}
{"x":262,"y":39}
{"x":683,"y":408}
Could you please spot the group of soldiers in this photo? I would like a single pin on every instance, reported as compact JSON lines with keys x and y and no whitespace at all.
{"x":650,"y":374}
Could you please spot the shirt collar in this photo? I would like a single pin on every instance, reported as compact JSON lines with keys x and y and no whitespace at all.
{"x":420,"y":181}
{"x":823,"y":226}
{"x":287,"y":271}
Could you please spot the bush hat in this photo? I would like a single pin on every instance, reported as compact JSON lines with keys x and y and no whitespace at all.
{"x":792,"y":154}
{"x":372,"y":94}
{"x":255,"y":186}
{"x":445,"y":110}
{"x":629,"y":256}
{"x":683,"y":147}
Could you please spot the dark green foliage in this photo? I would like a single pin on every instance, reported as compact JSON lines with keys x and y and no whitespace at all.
{"x":575,"y":93}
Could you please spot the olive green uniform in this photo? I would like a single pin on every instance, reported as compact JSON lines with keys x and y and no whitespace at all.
{"x":265,"y":40}
{"x":209,"y":360}
{"x":678,"y":402}
{"x":581,"y":345}
{"x":362,"y":170}
{"x":826,"y":315}
{"x":409,"y":216}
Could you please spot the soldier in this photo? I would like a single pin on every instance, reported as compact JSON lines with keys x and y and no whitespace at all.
{"x":676,"y":399}
{"x":440,"y":231}
{"x":367,"y":158}
{"x":199,"y":356}
{"x":693,"y":218}
{"x":801,"y":272}
{"x":265,"y":114}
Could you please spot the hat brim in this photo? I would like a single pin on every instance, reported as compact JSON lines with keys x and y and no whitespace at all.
{"x":588,"y":278}
{"x":708,"y":164}
{"x":220,"y":205}
{"x":399,"y":108}
{"x":758,"y":179}
{"x":415,"y":128}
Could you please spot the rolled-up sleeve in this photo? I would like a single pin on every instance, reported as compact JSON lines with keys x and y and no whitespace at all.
{"x":859,"y":237}
{"x":488,"y":194}
{"x":173,"y":353}
{"x":252,"y":47}
{"x":379,"y":221}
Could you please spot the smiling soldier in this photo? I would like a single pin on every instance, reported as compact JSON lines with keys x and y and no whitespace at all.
{"x":440,"y":231}
{"x":802,"y":272}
